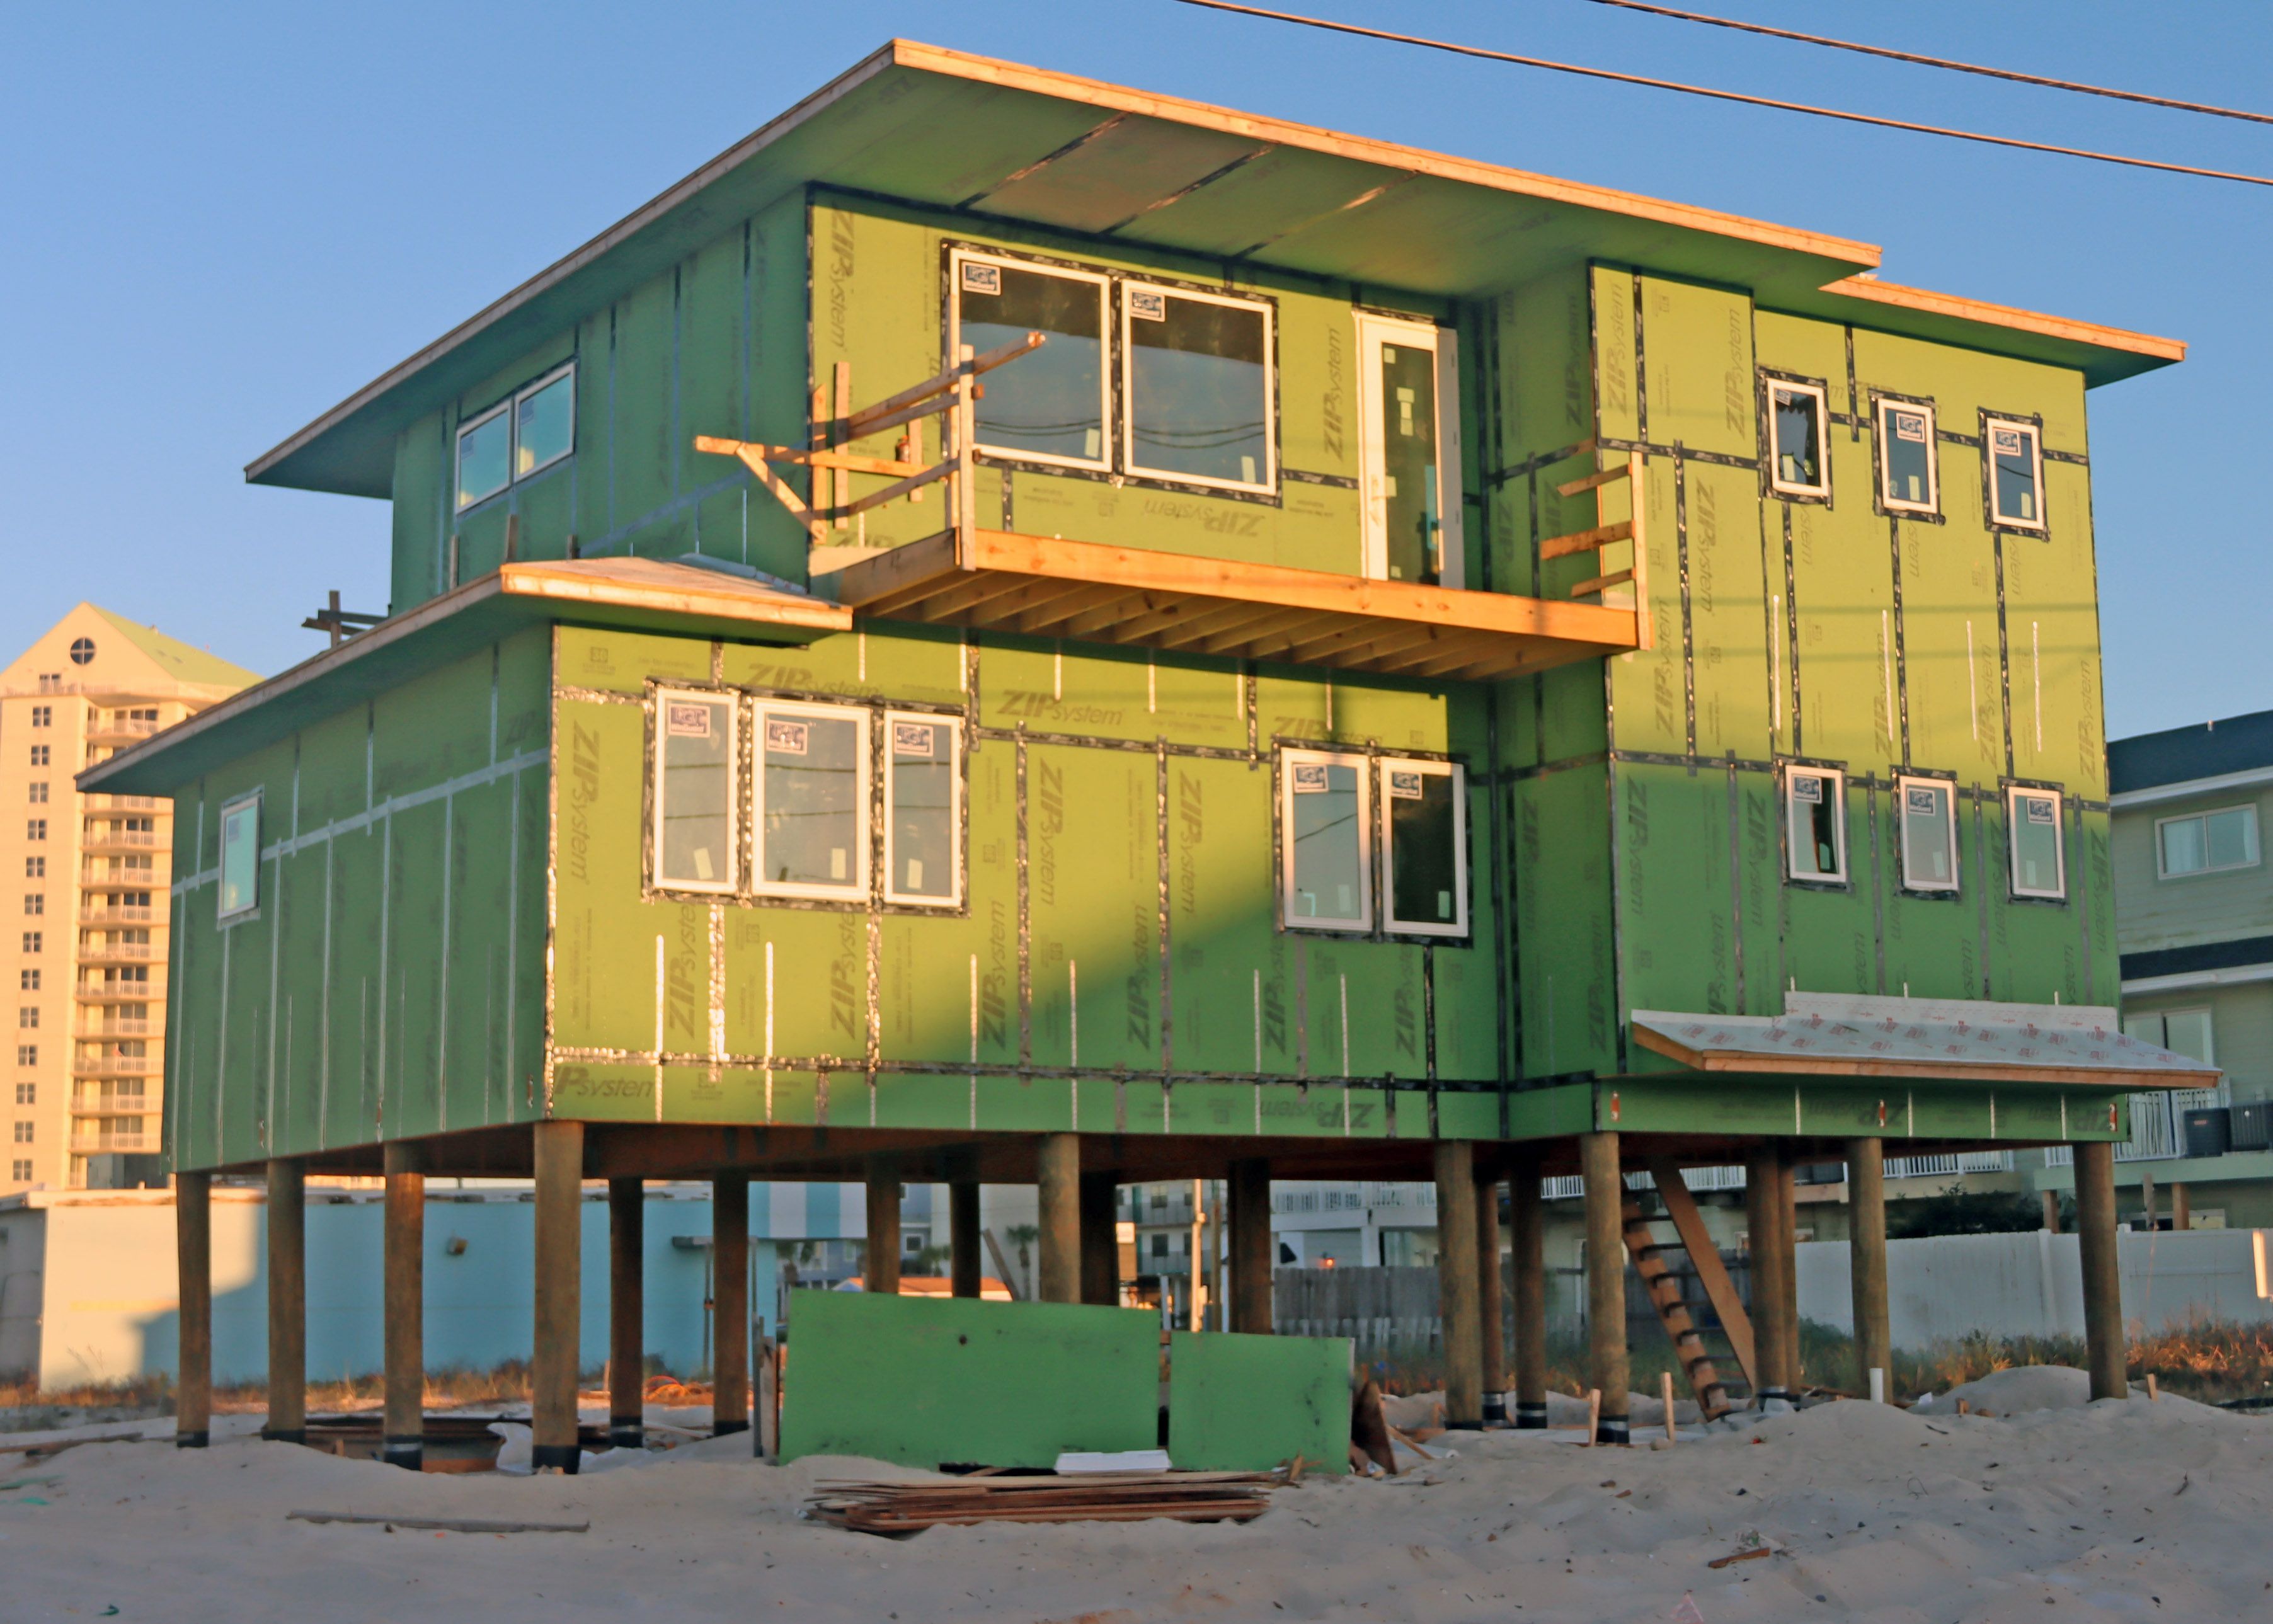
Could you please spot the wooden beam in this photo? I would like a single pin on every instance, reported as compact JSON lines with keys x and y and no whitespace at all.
{"x":288,"y":1302}
{"x":1705,"y":1258}
{"x":402,"y":1435}
{"x":1053,"y":616}
{"x":730,"y":1299}
{"x":884,"y":414}
{"x":559,"y":1292}
{"x":193,"y":1318}
{"x":1592,"y":482}
{"x":1595,"y":584}
{"x":627,"y":1314}
{"x":1456,"y":654}
{"x":1586,"y":541}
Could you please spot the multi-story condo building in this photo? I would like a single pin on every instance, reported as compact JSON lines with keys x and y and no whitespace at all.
{"x":84,"y":960}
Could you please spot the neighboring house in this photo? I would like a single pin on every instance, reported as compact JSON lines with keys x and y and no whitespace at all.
{"x":83,"y":956}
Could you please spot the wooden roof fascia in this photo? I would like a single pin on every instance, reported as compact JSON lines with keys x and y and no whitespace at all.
{"x":1956,"y":306}
{"x":1716,"y":1061}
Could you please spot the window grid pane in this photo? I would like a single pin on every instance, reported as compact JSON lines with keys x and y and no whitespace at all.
{"x":240,"y":857}
{"x":1051,"y":402}
{"x":697,"y":803}
{"x":1814,"y":828}
{"x":1199,"y":388}
{"x":1326,"y":837}
{"x":921,"y":828}
{"x":484,"y":459}
{"x":1798,"y":414}
{"x":1928,"y":830}
{"x":1421,"y":808}
{"x":2013,"y":474}
{"x":545,"y":423}
{"x":1907,"y":451}
{"x":2037,"y":845}
{"x":811,"y":780}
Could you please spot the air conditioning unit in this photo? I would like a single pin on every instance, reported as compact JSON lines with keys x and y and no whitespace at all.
{"x":2251,"y":1125}
{"x":2209,"y":1131}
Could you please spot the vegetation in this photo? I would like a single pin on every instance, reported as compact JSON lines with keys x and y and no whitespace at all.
{"x":1960,"y":1211}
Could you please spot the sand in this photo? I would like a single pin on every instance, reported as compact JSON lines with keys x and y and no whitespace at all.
{"x":2118,"y":1510}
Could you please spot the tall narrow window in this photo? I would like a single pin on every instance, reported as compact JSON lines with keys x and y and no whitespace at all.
{"x":1797,"y":462}
{"x":1327,"y":876}
{"x":2039,"y":865}
{"x":543,"y":422}
{"x":1929,"y":841}
{"x":1409,"y":402}
{"x":812,"y":801}
{"x":1047,"y":406}
{"x":485,"y":456}
{"x":923,"y":814}
{"x":1199,"y":388}
{"x":1424,"y":844}
{"x":694,"y":791}
{"x":2016,"y":472}
{"x":2204,"y":843}
{"x":240,"y":856}
{"x":1816,"y":823}
{"x":1909,"y":470}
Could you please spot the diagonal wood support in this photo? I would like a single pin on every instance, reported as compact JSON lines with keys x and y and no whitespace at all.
{"x":1705,"y":1258}
{"x":1665,"y":1295}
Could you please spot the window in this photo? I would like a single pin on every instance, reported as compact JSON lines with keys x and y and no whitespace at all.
{"x":1798,"y":465}
{"x":1327,"y":878}
{"x":27,"y":1018}
{"x":34,"y":940}
{"x":1929,"y":838}
{"x":1424,"y":844}
{"x":35,"y":828}
{"x":2039,"y":865}
{"x":1410,"y":416}
{"x":82,"y":650}
{"x":35,"y":868}
{"x":27,"y":1054}
{"x":240,"y":856}
{"x":1050,"y":405}
{"x":923,"y":810}
{"x":20,"y":1171}
{"x":2182,"y":1032}
{"x":2015,"y":450}
{"x":1815,"y":823}
{"x":43,"y":715}
{"x":39,"y":792}
{"x":812,"y":800}
{"x":2207,"y":841}
{"x":485,"y":456}
{"x":34,"y":902}
{"x":27,"y":1093}
{"x":23,"y":1133}
{"x":28,"y":980}
{"x":1908,"y":469}
{"x":696,"y":762}
{"x":39,"y":755}
{"x":1198,"y":387}
{"x":520,"y":436}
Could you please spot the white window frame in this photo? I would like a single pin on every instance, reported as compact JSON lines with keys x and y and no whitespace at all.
{"x":957,"y":258}
{"x":1269,"y":482}
{"x":1837,"y":777}
{"x":1888,"y":500}
{"x":732,"y":882}
{"x":2256,"y":842}
{"x":220,"y":859}
{"x":1363,"y":925}
{"x":1390,"y":924}
{"x":2012,"y":794}
{"x":568,"y":370}
{"x":464,"y":503}
{"x":855,"y":888}
{"x":1777,"y":483}
{"x":510,"y":410}
{"x":1444,"y":344}
{"x":1902,"y":783}
{"x":953,"y":726}
{"x":1989,"y":423}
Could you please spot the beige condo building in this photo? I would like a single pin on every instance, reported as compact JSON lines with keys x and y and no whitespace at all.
{"x":83,"y":962}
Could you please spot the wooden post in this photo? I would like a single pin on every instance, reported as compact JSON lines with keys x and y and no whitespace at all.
{"x":1456,"y":1282}
{"x":965,"y":1264}
{"x":1528,"y":1234}
{"x":1788,"y":1241}
{"x":402,"y":1432}
{"x":560,"y":1316}
{"x":879,"y":1263}
{"x":1764,"y":1205}
{"x":2147,"y":1197}
{"x":2182,"y":1208}
{"x":2103,"y":1279}
{"x":2051,"y":1212}
{"x":1606,"y":1280}
{"x":1100,"y":1242}
{"x":729,"y":1298}
{"x":193,"y":1254}
{"x":288,"y":1302}
{"x":1866,"y":1216}
{"x":1057,"y":1180}
{"x":1491,"y":1335}
{"x":626,"y":1313}
{"x":1254,"y":1252}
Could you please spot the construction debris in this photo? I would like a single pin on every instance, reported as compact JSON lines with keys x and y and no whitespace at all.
{"x":449,"y":1525}
{"x":1181,"y":1496}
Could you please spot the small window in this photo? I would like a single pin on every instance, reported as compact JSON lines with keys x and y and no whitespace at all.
{"x":1798,"y":466}
{"x":1908,"y":469}
{"x":240,"y":856}
{"x":27,"y":1093}
{"x":1049,"y":405}
{"x":2039,"y":865}
{"x":1929,"y":843}
{"x":923,"y":811}
{"x":2016,"y":472}
{"x":82,"y":650}
{"x":1327,"y":879}
{"x":27,"y":1054}
{"x":812,"y":801}
{"x":43,"y":715}
{"x":1199,"y":388}
{"x":28,"y":1017}
{"x":35,"y":828}
{"x":23,"y":1133}
{"x":35,"y":868}
{"x":1409,"y":411}
{"x":35,"y":941}
{"x":694,"y":791}
{"x":2182,"y":1032}
{"x":28,"y":980}
{"x":39,"y":792}
{"x":2207,"y":841}
{"x":1424,"y":844}
{"x":1815,"y":810}
{"x":543,"y":422}
{"x":35,"y":904}
{"x":485,"y":456}
{"x":39,"y":753}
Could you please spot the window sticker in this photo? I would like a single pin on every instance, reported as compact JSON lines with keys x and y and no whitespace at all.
{"x":1807,"y":787}
{"x":913,"y":738}
{"x":1148,"y":304}
{"x":1922,"y":803}
{"x":1909,"y":425}
{"x":1309,"y":778}
{"x":978,"y":277}
{"x":1403,"y":785}
{"x":683,"y":721}
{"x":2037,"y":809}
{"x":2006,"y":441}
{"x":784,"y":737}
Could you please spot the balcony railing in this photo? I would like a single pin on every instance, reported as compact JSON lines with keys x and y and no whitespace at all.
{"x":121,"y":953}
{"x":116,"y":1065}
{"x":101,"y":1143}
{"x":110,"y":1104}
{"x":118,"y":992}
{"x":123,"y":803}
{"x":104,"y":878}
{"x":121,"y":839}
{"x":126,"y":1026}
{"x":134,"y":914}
{"x":122,"y":727}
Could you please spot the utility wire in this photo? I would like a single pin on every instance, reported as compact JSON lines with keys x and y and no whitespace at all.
{"x":1939,"y":62}
{"x":1729,"y":95}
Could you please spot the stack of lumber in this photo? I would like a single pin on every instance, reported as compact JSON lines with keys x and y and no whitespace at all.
{"x":1102,"y":1497}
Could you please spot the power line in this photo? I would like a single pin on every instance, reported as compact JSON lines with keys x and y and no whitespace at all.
{"x":1729,"y":96}
{"x":1939,"y":62}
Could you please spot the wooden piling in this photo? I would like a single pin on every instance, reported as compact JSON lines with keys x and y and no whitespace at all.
{"x":965,"y":1264}
{"x":193,"y":1256}
{"x":626,"y":1313}
{"x":1763,"y":1212}
{"x":879,"y":1260}
{"x":402,"y":1430}
{"x":1787,"y":1241}
{"x":1866,"y":1244}
{"x":1100,"y":1239}
{"x":1057,"y":1196}
{"x":730,"y":1299}
{"x":1254,"y":1254}
{"x":2052,"y":1211}
{"x":2103,"y":1280}
{"x":557,"y":1330}
{"x":1605,"y":1192}
{"x":1527,"y":1235}
{"x":288,"y":1301}
{"x":1491,"y":1335}
{"x":1456,"y":1282}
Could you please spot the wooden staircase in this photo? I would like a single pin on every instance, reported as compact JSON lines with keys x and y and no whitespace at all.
{"x":1664,"y":1289}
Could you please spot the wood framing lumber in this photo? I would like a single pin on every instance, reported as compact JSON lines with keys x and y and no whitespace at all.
{"x":449,"y":1525}
{"x":872,"y":419}
{"x":1594,"y":584}
{"x":1592,"y":482}
{"x":1705,"y":1258}
{"x":1585,"y":540}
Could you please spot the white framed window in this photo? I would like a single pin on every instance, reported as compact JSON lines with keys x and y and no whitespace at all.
{"x":2035,"y":837}
{"x":520,"y":436}
{"x":1927,"y":810}
{"x":484,"y":455}
{"x":1815,"y":823}
{"x":696,"y":758}
{"x":2013,"y":456}
{"x":240,"y":856}
{"x":1052,"y":405}
{"x":1326,"y":841}
{"x":1909,"y":477}
{"x":1408,"y":406}
{"x":2204,"y":843}
{"x":1424,"y":846}
{"x":1197,"y":398}
{"x":923,"y":809}
{"x":810,"y":800}
{"x":1799,"y":461}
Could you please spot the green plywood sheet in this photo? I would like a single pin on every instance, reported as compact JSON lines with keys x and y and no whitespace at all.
{"x":1248,"y":1403}
{"x":936,"y":1381}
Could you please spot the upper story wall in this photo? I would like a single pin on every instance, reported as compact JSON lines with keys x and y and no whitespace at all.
{"x":2192,"y":870}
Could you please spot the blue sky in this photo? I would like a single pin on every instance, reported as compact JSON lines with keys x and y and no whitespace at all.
{"x":221,"y":219}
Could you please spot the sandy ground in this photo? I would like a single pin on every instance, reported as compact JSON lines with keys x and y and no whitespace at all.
{"x":2106,"y":1511}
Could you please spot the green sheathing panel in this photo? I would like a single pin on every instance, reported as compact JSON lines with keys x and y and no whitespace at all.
{"x":1248,"y":1403}
{"x":390,"y":981}
{"x":1563,"y":924}
{"x":1888,"y":1108}
{"x":936,"y":1382}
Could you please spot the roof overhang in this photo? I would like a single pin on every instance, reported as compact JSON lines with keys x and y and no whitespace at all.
{"x":634,"y":594}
